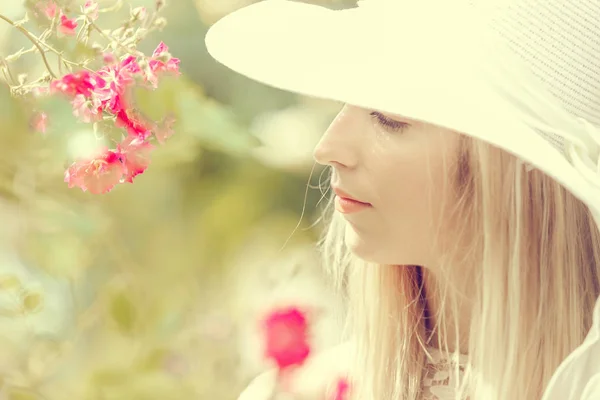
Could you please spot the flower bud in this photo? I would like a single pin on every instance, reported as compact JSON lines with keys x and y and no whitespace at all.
{"x":90,"y":8}
{"x":143,"y":63}
{"x":138,"y":14}
{"x":128,"y":33}
{"x":160,"y":23}
{"x":97,"y":48}
{"x":109,"y":58}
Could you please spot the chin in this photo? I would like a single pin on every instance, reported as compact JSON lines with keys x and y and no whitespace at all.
{"x":375,"y":250}
{"x":360,"y":246}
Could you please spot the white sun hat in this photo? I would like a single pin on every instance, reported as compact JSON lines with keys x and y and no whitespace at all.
{"x":523,"y":75}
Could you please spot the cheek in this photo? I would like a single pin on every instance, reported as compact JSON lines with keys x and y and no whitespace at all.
{"x":407,"y":198}
{"x":412,"y":207}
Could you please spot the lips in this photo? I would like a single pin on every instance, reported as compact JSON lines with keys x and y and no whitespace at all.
{"x":346,"y":204}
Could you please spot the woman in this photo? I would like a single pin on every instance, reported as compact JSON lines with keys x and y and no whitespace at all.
{"x":466,"y":173}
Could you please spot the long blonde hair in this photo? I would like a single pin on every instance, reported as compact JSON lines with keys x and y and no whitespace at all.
{"x":534,"y":268}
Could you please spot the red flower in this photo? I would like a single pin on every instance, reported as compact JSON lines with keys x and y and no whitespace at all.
{"x":287,"y":338}
{"x":67,"y":26}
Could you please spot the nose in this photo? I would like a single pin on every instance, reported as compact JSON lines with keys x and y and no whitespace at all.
{"x":339,"y":144}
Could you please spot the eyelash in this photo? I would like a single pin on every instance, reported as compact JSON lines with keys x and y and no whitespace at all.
{"x":388,"y":123}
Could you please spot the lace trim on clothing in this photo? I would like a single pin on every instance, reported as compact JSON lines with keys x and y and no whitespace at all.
{"x":441,"y":380}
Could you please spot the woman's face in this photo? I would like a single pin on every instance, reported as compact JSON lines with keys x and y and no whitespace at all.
{"x":402,"y":169}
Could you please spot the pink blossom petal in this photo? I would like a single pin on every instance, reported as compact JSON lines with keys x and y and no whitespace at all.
{"x":160,"y":49}
{"x":67,"y":26}
{"x":82,"y":82}
{"x":109,"y":58}
{"x":341,"y":390}
{"x":165,"y":130}
{"x":86,"y":110}
{"x":162,"y":61}
{"x":39,"y":122}
{"x":136,"y":156}
{"x":49,"y":8}
{"x":135,"y":126}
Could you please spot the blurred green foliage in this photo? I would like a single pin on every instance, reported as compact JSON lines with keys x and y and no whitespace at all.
{"x":108,"y":296}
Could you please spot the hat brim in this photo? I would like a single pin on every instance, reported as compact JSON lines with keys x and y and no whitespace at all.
{"x":415,"y":68}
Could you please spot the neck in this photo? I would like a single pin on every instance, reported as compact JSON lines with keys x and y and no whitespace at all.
{"x":435,"y":306}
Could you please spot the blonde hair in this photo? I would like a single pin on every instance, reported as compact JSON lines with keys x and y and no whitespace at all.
{"x":534,"y":280}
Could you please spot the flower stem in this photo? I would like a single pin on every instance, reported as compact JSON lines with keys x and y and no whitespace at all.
{"x":33,"y":40}
{"x":127,"y":49}
{"x":10,"y":76}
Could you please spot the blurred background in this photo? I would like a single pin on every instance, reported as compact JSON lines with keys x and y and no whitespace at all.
{"x":155,"y":290}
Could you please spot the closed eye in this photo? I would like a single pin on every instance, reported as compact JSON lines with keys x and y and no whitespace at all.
{"x":388,"y":123}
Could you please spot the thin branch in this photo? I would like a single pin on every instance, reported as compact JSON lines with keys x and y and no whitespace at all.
{"x":127,"y":49}
{"x":33,"y":40}
{"x":8,"y":71}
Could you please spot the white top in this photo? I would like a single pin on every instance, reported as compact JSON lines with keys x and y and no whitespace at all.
{"x":577,"y":377}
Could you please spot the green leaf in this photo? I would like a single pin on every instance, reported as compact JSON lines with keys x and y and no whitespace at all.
{"x":213,"y":124}
{"x":21,"y":394}
{"x":154,"y":360}
{"x":123,"y":312}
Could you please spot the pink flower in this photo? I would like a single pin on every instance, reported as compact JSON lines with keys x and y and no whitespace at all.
{"x":134,"y":124}
{"x":82,"y":82}
{"x":90,"y":8}
{"x":287,"y":338}
{"x":341,"y":390}
{"x":39,"y":122}
{"x":165,"y":130}
{"x":103,"y":172}
{"x":109,"y":58}
{"x":135,"y":154}
{"x":67,"y":26}
{"x":85,"y":109}
{"x":118,"y":77}
{"x":49,"y":9}
{"x":161,"y":61}
{"x":98,"y":175}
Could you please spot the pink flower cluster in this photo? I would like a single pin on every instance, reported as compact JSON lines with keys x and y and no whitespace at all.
{"x":103,"y":94}
{"x":287,"y":344}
